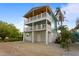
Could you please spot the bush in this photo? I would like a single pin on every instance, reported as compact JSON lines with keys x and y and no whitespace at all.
{"x":12,"y":39}
{"x":57,"y":40}
{"x":65,"y":37}
{"x":9,"y":31}
{"x":63,"y":45}
{"x":0,"y":39}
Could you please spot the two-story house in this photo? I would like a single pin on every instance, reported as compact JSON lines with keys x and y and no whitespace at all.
{"x":40,"y":25}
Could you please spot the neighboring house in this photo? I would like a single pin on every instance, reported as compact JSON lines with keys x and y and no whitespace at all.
{"x":40,"y":25}
{"x":77,"y":25}
{"x":77,"y":21}
{"x":75,"y":31}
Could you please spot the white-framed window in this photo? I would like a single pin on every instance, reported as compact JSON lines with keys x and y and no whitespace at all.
{"x":27,"y":34}
{"x":44,"y":26}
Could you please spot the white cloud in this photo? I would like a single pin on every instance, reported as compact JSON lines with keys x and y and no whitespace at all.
{"x":72,"y":12}
{"x":19,"y":25}
{"x":72,"y":8}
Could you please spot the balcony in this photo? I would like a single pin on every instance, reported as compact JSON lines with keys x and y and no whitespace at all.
{"x":39,"y":17}
{"x":27,"y":29}
{"x":37,"y":28}
{"x":49,"y":27}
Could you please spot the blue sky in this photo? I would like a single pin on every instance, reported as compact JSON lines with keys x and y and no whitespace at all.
{"x":13,"y":12}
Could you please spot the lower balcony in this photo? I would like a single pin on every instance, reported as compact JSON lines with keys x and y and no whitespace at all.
{"x":37,"y":28}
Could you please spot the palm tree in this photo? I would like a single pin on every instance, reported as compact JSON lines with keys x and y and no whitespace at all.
{"x":65,"y":33}
{"x":59,"y":15}
{"x":60,"y":18}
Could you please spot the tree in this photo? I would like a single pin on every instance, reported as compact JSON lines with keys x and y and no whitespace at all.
{"x":65,"y":33}
{"x":59,"y":15}
{"x":8,"y":30}
{"x":3,"y":30}
{"x":65,"y":37}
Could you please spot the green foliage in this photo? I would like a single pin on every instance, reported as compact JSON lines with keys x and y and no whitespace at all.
{"x":77,"y":27}
{"x":8,"y":30}
{"x":65,"y":37}
{"x":13,"y":39}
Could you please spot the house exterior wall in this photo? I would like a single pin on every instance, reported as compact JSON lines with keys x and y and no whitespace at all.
{"x":52,"y":37}
{"x":27,"y":36}
{"x":42,"y":28}
{"x":39,"y":36}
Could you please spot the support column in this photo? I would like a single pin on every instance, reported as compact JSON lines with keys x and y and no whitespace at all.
{"x":33,"y":29}
{"x":24,"y":30}
{"x":23,"y":37}
{"x":46,"y":37}
{"x":46,"y":34}
{"x":32,"y":33}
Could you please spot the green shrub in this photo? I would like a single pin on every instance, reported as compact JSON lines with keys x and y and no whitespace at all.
{"x":0,"y":39}
{"x":13,"y":39}
{"x":8,"y":30}
{"x":65,"y":37}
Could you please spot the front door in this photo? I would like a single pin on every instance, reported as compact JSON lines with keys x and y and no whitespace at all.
{"x":38,"y":36}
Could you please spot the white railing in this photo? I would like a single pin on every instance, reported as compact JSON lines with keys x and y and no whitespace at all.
{"x":40,"y":27}
{"x":48,"y":26}
{"x":37,"y":27}
{"x":27,"y":29}
{"x":38,"y":17}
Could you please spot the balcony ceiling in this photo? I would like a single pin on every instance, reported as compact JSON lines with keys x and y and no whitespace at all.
{"x":37,"y":11}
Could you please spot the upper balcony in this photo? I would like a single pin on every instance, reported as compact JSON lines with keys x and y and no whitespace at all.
{"x":37,"y":18}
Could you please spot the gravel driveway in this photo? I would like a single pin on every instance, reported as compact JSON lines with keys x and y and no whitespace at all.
{"x":29,"y":49}
{"x":74,"y":50}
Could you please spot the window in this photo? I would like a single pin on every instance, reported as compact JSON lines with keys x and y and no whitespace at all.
{"x":44,"y":26}
{"x":27,"y":34}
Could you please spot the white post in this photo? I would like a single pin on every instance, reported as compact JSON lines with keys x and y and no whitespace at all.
{"x":46,"y":9}
{"x":32,"y":33}
{"x":32,"y":30}
{"x":46,"y":31}
{"x":36,"y":17}
{"x":23,"y":37}
{"x":41,"y":26}
{"x":24,"y":30}
{"x":46,"y":34}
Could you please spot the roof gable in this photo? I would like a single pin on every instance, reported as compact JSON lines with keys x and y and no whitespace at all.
{"x":38,"y":10}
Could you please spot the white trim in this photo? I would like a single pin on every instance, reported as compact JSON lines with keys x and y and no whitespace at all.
{"x":46,"y":34}
{"x":40,"y":19}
